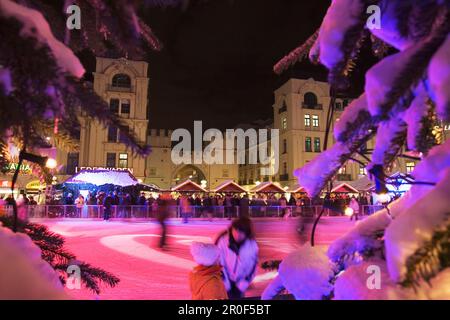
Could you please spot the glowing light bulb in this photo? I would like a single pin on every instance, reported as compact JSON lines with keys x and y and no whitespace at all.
{"x":384,"y":197}
{"x":348,"y":212}
{"x":51,"y":163}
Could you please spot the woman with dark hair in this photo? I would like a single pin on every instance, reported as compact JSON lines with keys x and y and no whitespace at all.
{"x":238,"y":257}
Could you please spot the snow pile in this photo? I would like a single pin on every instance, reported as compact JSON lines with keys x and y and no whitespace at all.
{"x":349,"y":116}
{"x":361,"y":236}
{"x":306,"y":273}
{"x":5,"y":81}
{"x":439,"y":76}
{"x":312,"y":175}
{"x":359,"y":282}
{"x":35,"y":25}
{"x":23,"y":274}
{"x":338,"y":20}
{"x":439,"y":287}
{"x":417,"y":225}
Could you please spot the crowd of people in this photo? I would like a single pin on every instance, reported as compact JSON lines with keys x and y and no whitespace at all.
{"x":193,"y":204}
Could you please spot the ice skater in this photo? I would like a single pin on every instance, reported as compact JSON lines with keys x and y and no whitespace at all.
{"x":162,"y":215}
{"x":238,"y":257}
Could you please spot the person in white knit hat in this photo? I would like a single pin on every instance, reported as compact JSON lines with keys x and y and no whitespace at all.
{"x":206,"y":279}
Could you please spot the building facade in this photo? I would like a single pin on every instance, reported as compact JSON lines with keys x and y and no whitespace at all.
{"x":164,"y":173}
{"x":123,"y":84}
{"x":300,"y":113}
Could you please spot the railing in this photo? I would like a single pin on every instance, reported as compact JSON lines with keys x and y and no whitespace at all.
{"x":150,"y":212}
{"x":315,"y":107}
{"x":368,"y":210}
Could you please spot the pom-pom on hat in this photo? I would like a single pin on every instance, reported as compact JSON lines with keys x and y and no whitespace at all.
{"x":205,"y":254}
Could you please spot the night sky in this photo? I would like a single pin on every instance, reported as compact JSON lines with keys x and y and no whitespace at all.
{"x":218,"y":55}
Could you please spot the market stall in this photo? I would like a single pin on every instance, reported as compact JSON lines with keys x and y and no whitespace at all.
{"x":229,"y":186}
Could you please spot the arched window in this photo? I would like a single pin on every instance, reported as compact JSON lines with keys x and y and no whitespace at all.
{"x":310,"y":100}
{"x":121,"y":80}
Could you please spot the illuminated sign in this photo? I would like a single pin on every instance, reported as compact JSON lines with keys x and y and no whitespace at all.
{"x":35,"y":185}
{"x":5,"y":184}
{"x":102,"y":168}
{"x":24,"y":168}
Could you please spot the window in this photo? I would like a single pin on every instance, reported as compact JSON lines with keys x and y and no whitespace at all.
{"x":283,"y":123}
{"x":285,"y":170}
{"x":310,"y":100}
{"x":307,"y":120}
{"x":72,"y":162}
{"x":363,"y":148}
{"x":316,"y":144}
{"x":284,"y":146}
{"x":315,"y":121}
{"x":125,"y":107}
{"x":152,"y":171}
{"x":338,"y":106}
{"x":225,"y":173}
{"x":362,"y":171}
{"x":114,"y":105}
{"x":110,"y":160}
{"x":283,"y":108}
{"x":112,"y":134}
{"x":410,"y":166}
{"x":123,"y":160}
{"x":308,"y":147}
{"x":121,"y":80}
{"x":345,"y":103}
{"x":343,"y":170}
{"x":122,"y":133}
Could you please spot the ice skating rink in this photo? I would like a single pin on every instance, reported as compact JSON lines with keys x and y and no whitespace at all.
{"x":129,"y":250}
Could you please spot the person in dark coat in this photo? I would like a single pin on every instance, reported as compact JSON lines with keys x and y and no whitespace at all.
{"x":10,"y":200}
{"x":115,"y":199}
{"x":142,"y":200}
{"x":69,"y":200}
{"x":107,"y":204}
{"x":292,"y":201}
{"x":162,"y":216}
{"x":243,"y":206}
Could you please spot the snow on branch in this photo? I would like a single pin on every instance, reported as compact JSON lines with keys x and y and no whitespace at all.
{"x":296,"y":55}
{"x":389,"y":141}
{"x":414,"y":118}
{"x":416,"y":225}
{"x":35,"y":25}
{"x":353,"y":115}
{"x":408,"y":67}
{"x":439,"y":76}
